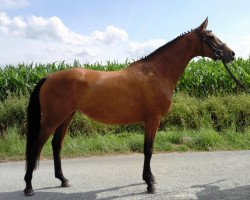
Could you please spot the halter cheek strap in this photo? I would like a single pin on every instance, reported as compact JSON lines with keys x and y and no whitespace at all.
{"x":202,"y":50}
{"x":218,"y":54}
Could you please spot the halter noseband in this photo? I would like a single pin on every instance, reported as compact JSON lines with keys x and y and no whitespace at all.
{"x":218,"y":54}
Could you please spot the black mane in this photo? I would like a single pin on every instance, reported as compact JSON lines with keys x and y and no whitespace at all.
{"x":165,"y":45}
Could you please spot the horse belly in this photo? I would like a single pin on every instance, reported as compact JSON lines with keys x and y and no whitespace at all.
{"x":111,"y":108}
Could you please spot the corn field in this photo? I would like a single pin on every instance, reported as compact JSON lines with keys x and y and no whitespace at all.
{"x":205,"y":77}
{"x":201,"y":78}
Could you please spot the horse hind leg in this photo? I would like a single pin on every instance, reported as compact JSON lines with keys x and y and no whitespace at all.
{"x":44,"y":135}
{"x":57,"y":146}
{"x":46,"y":130}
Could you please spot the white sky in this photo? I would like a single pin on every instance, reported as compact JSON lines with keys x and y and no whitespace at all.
{"x":95,"y":30}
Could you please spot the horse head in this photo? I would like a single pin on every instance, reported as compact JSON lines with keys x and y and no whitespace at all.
{"x":211,"y":46}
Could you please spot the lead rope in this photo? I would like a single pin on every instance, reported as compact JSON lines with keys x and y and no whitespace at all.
{"x":235,"y":79}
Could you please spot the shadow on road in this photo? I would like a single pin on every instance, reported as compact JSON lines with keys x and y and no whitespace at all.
{"x":214,"y":192}
{"x":208,"y":192}
{"x":91,"y":195}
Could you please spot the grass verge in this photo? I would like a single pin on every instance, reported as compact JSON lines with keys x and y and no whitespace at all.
{"x":12,"y":145}
{"x":214,"y":112}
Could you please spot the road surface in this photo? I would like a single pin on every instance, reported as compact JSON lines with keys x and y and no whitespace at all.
{"x":197,"y":175}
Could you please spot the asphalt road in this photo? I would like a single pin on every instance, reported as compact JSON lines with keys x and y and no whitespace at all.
{"x":203,"y":176}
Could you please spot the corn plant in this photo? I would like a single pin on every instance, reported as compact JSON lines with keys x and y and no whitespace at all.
{"x":201,"y":78}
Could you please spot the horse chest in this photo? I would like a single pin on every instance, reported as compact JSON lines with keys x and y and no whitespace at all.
{"x":165,"y":105}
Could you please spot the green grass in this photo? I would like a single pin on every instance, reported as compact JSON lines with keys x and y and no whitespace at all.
{"x":215,"y":112}
{"x":194,"y":124}
{"x":12,"y":146}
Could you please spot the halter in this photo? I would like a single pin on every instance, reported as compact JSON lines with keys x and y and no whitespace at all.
{"x":218,"y":54}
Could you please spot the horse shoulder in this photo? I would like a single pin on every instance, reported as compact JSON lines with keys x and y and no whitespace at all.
{"x":158,"y":95}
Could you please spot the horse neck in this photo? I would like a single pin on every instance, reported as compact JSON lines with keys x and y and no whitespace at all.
{"x":170,"y":63}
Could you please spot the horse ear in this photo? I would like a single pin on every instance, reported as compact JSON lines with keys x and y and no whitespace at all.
{"x":203,"y":26}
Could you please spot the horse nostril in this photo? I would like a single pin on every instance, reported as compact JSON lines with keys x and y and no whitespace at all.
{"x":232,"y":54}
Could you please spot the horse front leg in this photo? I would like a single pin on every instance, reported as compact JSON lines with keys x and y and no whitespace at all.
{"x":151,"y":126}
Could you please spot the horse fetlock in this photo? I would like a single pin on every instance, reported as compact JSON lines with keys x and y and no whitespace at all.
{"x":65,"y":182}
{"x":28,"y":177}
{"x":148,"y":178}
{"x":151,"y":189}
{"x":152,"y":179}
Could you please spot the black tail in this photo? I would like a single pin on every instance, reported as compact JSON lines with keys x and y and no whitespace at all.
{"x":33,"y":117}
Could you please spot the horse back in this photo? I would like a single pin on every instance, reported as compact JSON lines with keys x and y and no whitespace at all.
{"x":119,"y":97}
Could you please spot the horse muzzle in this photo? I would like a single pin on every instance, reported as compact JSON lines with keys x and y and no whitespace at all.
{"x":228,"y":57}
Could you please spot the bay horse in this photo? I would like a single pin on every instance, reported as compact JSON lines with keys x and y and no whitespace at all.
{"x":142,"y":92}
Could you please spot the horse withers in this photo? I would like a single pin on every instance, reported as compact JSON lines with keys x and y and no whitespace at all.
{"x":142,"y":92}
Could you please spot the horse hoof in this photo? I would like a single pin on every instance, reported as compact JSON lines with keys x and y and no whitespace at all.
{"x":151,"y":189}
{"x":65,"y":184}
{"x":29,"y":192}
